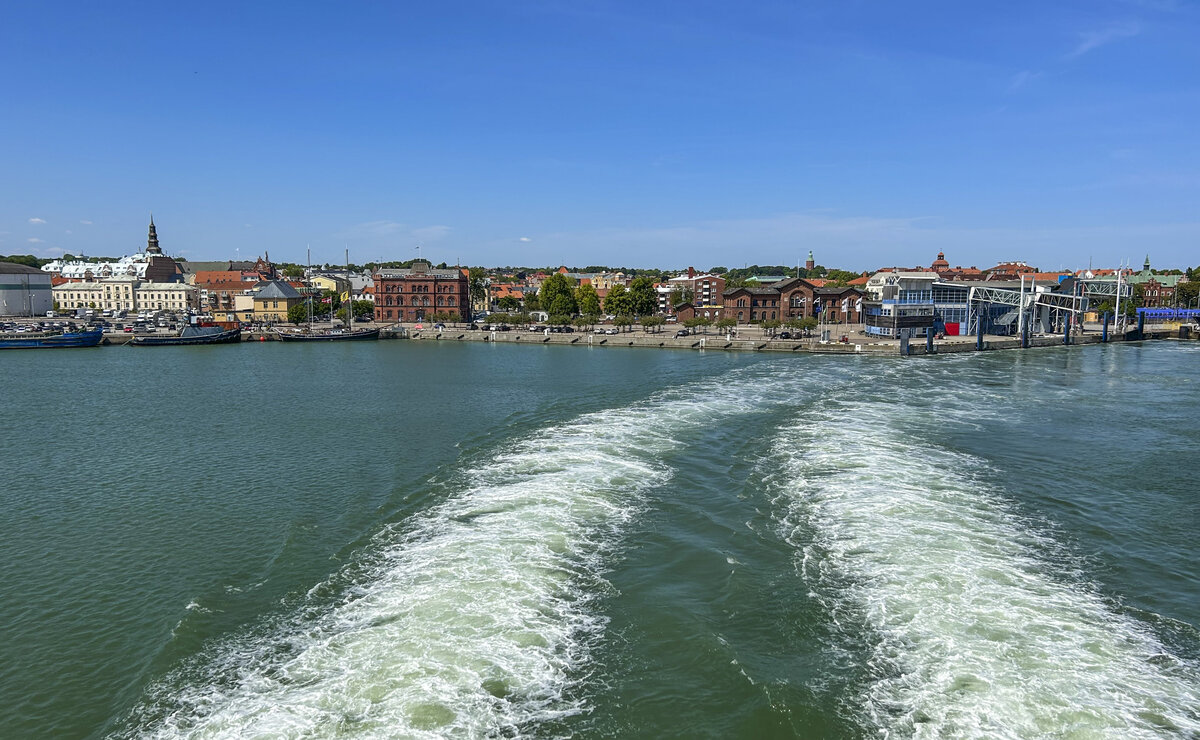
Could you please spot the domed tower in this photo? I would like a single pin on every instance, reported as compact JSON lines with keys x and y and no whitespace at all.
{"x":940,"y":263}
{"x":152,"y":241}
{"x":810,"y":263}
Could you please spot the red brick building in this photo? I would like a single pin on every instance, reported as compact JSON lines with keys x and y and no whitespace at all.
{"x":419,"y":292}
{"x":793,"y":298}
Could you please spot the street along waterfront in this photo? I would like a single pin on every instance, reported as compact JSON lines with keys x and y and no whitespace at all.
{"x":458,"y":539}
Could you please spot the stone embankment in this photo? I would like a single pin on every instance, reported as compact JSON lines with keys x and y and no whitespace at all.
{"x":857,"y":344}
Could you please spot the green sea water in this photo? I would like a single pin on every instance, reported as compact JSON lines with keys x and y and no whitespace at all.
{"x":401,"y":539}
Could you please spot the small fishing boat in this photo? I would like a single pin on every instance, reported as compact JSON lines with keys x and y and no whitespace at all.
{"x":48,"y":341}
{"x":191,"y":335}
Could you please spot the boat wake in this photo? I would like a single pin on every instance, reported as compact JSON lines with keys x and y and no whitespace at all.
{"x":475,"y":617}
{"x":967,"y":621}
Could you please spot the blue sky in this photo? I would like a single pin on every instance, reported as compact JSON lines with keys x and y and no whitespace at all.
{"x":590,"y":132}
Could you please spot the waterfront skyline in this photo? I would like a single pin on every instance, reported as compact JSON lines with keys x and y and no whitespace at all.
{"x":607,"y":133}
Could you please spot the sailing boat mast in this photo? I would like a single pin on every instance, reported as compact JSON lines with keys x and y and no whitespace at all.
{"x":308,"y":276}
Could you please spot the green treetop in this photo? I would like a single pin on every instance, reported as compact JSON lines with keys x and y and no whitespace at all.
{"x":588,"y":300}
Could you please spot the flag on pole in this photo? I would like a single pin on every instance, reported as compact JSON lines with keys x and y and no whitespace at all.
{"x":858,"y":305}
{"x":327,"y":299}
{"x":346,"y":296}
{"x":817,"y":305}
{"x":845,"y":305}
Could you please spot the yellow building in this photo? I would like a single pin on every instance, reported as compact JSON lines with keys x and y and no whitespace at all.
{"x":322,"y":283}
{"x":271,"y":302}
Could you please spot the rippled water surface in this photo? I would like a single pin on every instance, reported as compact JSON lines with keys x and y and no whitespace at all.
{"x":425,"y":540}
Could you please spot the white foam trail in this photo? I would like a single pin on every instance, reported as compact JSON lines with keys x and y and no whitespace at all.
{"x":472,"y":619}
{"x":970,"y":629}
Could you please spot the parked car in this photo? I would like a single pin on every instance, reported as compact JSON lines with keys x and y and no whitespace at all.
{"x":785,"y":335}
{"x":683,"y":333}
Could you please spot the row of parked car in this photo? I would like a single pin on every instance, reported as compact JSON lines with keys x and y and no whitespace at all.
{"x":13,"y":327}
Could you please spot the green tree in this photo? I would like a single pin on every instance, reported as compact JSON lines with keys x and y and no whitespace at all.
{"x":618,"y":301}
{"x":841,"y":277}
{"x":726,"y":324}
{"x":1186,"y":294}
{"x":335,"y":300}
{"x":293,"y":271}
{"x":477,"y":286}
{"x":560,"y":319}
{"x":808,"y":323}
{"x":508,"y":303}
{"x":24,"y":259}
{"x":587,"y":299}
{"x":360,"y":308}
{"x":643,"y":298}
{"x":652,"y":323}
{"x":623,"y":322}
{"x":680,"y":295}
{"x":557,"y":295}
{"x":532,"y":303}
{"x":297,"y":313}
{"x":771,"y":325}
{"x":582,"y":322}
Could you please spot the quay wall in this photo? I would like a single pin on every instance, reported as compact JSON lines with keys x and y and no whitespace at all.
{"x":718,"y":342}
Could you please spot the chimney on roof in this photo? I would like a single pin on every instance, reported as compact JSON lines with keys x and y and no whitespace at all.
{"x":691,"y":272}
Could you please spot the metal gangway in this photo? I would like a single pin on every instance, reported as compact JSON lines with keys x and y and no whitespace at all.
{"x":1043,"y":311}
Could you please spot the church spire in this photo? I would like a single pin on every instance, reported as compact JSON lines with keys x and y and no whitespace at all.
{"x":152,"y":240}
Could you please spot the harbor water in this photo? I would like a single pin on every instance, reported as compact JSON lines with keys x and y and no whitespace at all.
{"x":420,"y":539}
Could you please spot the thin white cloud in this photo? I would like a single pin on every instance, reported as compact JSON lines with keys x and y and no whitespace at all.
{"x":431,"y":233}
{"x":34,"y":240}
{"x":36,"y":220}
{"x":1021,"y":79}
{"x":525,"y":239}
{"x":69,"y":231}
{"x":371,"y":229}
{"x":85,"y":222}
{"x":1092,"y":40}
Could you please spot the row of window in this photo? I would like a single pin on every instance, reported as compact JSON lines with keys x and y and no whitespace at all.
{"x":387,"y":313}
{"x":421,"y":301}
{"x":419,"y":288}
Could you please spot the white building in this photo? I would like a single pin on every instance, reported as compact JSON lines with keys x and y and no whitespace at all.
{"x":127,"y":294}
{"x":24,"y":290}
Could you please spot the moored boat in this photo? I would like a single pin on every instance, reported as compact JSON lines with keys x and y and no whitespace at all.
{"x":48,"y":341}
{"x":334,"y":335}
{"x":191,"y":335}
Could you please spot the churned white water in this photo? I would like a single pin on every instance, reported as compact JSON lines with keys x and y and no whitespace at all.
{"x":473,"y":618}
{"x":969,"y":624}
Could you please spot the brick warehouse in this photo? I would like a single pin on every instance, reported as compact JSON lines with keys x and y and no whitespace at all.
{"x":421,"y":291}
